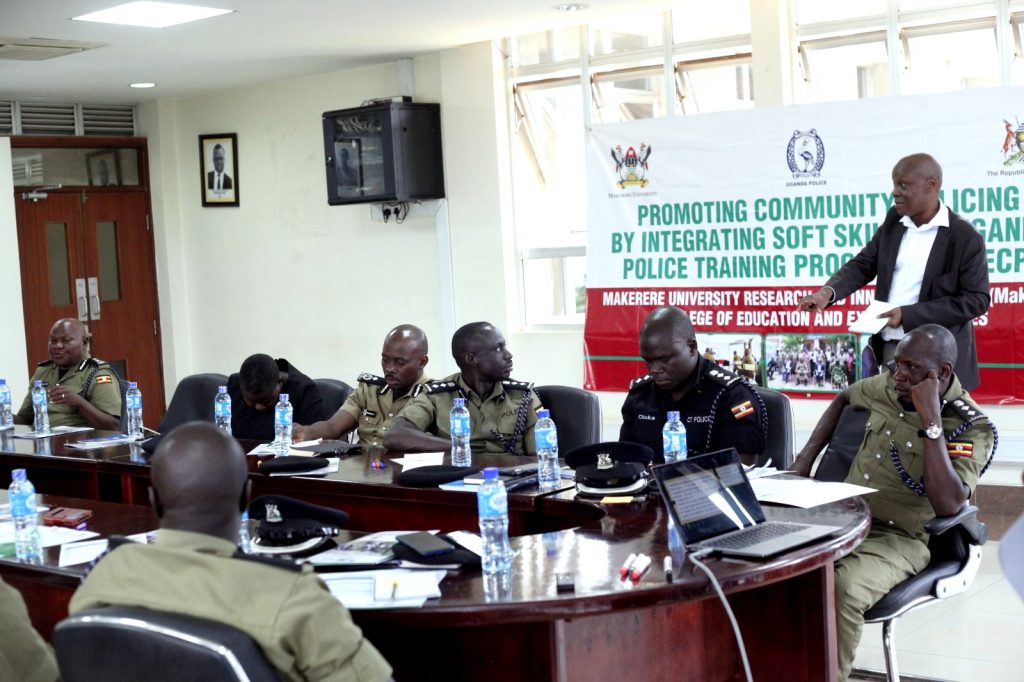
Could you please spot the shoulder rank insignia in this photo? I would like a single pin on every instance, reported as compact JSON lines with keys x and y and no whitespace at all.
{"x":512,"y":383}
{"x":742,"y":410}
{"x":640,"y":381}
{"x":960,"y":447}
{"x":722,"y":376}
{"x":105,"y":379}
{"x":44,"y":363}
{"x":367,"y":378}
{"x":432,"y":387}
{"x":966,"y":411}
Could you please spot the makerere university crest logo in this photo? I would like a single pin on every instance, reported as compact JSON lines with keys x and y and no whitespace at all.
{"x":805,"y":154}
{"x":632,"y":166}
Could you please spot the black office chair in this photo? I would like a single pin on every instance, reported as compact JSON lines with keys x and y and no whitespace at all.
{"x":192,"y":400}
{"x":576,"y":413}
{"x":955,"y":543}
{"x":127,"y":643}
{"x":778,"y":447}
{"x":334,"y":393}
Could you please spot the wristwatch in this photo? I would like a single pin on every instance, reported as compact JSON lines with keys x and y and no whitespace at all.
{"x":932,"y":431}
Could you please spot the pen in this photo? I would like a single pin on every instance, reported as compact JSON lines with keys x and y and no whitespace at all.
{"x":624,"y":571}
{"x":667,"y":563}
{"x":394,"y":589}
{"x":643,"y":562}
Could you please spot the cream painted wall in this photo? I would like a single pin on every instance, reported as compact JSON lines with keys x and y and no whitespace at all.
{"x":13,"y":354}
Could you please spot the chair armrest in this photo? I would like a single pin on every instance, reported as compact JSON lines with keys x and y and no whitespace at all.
{"x":967,"y":518}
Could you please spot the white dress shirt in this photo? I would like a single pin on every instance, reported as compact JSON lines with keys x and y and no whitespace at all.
{"x":911,"y":260}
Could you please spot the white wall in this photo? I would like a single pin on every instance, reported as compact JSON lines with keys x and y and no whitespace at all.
{"x":13,"y":355}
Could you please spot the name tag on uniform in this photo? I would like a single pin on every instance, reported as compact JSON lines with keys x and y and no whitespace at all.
{"x":369,"y":414}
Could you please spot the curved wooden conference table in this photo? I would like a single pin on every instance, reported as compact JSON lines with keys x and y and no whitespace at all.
{"x":606,"y":630}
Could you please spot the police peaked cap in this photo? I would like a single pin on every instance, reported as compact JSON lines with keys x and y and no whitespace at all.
{"x":287,"y":521}
{"x":624,"y":474}
{"x":618,"y":451}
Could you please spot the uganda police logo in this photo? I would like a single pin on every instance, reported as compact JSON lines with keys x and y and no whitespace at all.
{"x":632,"y":166}
{"x":805,"y":154}
{"x":1013,"y":143}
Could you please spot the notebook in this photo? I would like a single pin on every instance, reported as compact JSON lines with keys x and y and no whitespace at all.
{"x":714,"y":507}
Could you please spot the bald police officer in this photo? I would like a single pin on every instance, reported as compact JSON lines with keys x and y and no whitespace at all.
{"x":925,"y":447}
{"x":200,"y":485}
{"x":377,"y":401}
{"x":502,"y":411}
{"x":81,"y":390}
{"x":717,"y":407}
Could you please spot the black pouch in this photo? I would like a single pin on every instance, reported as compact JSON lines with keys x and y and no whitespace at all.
{"x":460,"y":555}
{"x":292,"y":464}
{"x":433,"y":475}
{"x":332,"y":448}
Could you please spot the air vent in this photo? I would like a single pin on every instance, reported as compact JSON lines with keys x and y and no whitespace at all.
{"x":42,"y":118}
{"x":108,"y":119}
{"x":36,"y":49}
{"x":6,"y":117}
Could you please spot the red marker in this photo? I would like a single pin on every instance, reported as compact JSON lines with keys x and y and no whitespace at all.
{"x":624,"y":571}
{"x":642,"y":564}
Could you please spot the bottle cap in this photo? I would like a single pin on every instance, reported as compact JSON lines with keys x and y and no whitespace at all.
{"x":19,"y":475}
{"x":458,"y":402}
{"x":132,"y":385}
{"x":543,"y":414}
{"x":282,"y":398}
{"x":222,"y":389}
{"x":3,"y":382}
{"x":673,"y":416}
{"x":490,"y":474}
{"x":38,"y":383}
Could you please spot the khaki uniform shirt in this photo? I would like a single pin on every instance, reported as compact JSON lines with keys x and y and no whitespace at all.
{"x":374,"y":407}
{"x":302,"y":629}
{"x":24,"y":656}
{"x":895,"y":505}
{"x":431,"y":407}
{"x":104,"y":391}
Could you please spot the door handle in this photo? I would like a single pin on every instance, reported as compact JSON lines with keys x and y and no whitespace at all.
{"x":94,"y":298}
{"x":83,"y":302}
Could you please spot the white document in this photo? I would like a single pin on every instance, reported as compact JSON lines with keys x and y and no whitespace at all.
{"x":49,"y":536}
{"x":413,"y":460}
{"x":102,"y":442}
{"x":384,"y":589}
{"x":83,"y":552}
{"x":868,"y":321}
{"x":330,"y":467}
{"x":270,"y":449}
{"x":55,"y":431}
{"x":803,"y":492}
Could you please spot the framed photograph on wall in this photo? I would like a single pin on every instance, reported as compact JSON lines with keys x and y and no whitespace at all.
{"x":104,"y":168}
{"x":218,"y":156}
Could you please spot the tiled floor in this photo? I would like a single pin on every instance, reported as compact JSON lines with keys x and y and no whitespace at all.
{"x":977,"y":636}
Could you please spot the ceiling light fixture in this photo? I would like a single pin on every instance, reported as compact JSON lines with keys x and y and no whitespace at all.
{"x":570,"y":7}
{"x":142,"y":85}
{"x":152,"y":14}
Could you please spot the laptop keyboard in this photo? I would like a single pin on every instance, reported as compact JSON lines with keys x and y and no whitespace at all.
{"x":754,"y":535}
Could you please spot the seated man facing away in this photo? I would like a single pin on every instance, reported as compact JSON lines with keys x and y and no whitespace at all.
{"x":376,"y":402}
{"x":254,"y":391}
{"x":502,"y":412}
{"x":199,"y":488}
{"x":81,"y":390}
{"x":24,"y":656}
{"x":718,"y":409}
{"x":925,"y":446}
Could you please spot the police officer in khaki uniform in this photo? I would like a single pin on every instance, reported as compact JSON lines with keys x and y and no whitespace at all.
{"x":502,"y":412}
{"x":81,"y":390}
{"x":375,"y":403}
{"x":717,"y":407}
{"x":199,"y":487}
{"x":24,"y":655}
{"x":925,"y":447}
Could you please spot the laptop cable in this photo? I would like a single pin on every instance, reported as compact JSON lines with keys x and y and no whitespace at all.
{"x":696,"y":559}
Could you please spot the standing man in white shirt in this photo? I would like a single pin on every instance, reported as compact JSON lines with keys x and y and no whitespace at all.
{"x":930,"y":264}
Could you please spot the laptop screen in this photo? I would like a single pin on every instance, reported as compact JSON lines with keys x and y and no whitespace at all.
{"x":708,"y":495}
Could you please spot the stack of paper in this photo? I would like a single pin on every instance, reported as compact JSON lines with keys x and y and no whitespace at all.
{"x":102,"y":441}
{"x":395,"y":588}
{"x":55,"y":431}
{"x":49,"y":536}
{"x":413,"y":460}
{"x":803,"y":492}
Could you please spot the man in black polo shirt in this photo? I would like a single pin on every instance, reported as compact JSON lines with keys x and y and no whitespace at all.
{"x":718,"y":408}
{"x":254,"y":391}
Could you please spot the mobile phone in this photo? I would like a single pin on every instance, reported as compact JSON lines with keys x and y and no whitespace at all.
{"x":425,"y":544}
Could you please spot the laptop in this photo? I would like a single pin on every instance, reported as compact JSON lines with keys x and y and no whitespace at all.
{"x":714,"y":507}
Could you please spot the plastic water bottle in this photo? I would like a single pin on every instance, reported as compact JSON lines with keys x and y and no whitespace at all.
{"x":134,"y":399}
{"x":282,"y":425}
{"x":22,"y":495}
{"x":548,"y":470}
{"x":673,"y":438}
{"x":492,"y":505}
{"x":222,"y":410}
{"x":461,"y":454}
{"x":244,"y":539}
{"x":6,"y":416}
{"x":41,"y":414}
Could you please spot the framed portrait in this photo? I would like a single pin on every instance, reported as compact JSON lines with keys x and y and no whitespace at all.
{"x":218,"y":174}
{"x":104,"y":167}
{"x":348,"y":166}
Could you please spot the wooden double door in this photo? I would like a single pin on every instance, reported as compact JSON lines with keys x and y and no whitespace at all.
{"x":88,"y":254}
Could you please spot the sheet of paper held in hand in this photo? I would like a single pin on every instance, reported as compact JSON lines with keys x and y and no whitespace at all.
{"x":803,"y":492}
{"x":868,"y":321}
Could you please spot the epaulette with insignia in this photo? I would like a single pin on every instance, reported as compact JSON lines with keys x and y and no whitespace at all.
{"x":44,"y":363}
{"x":512,"y":383}
{"x":367,"y":378}
{"x":966,"y":411}
{"x":722,"y":376}
{"x":440,"y":387}
{"x":640,"y":381}
{"x":286,"y":564}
